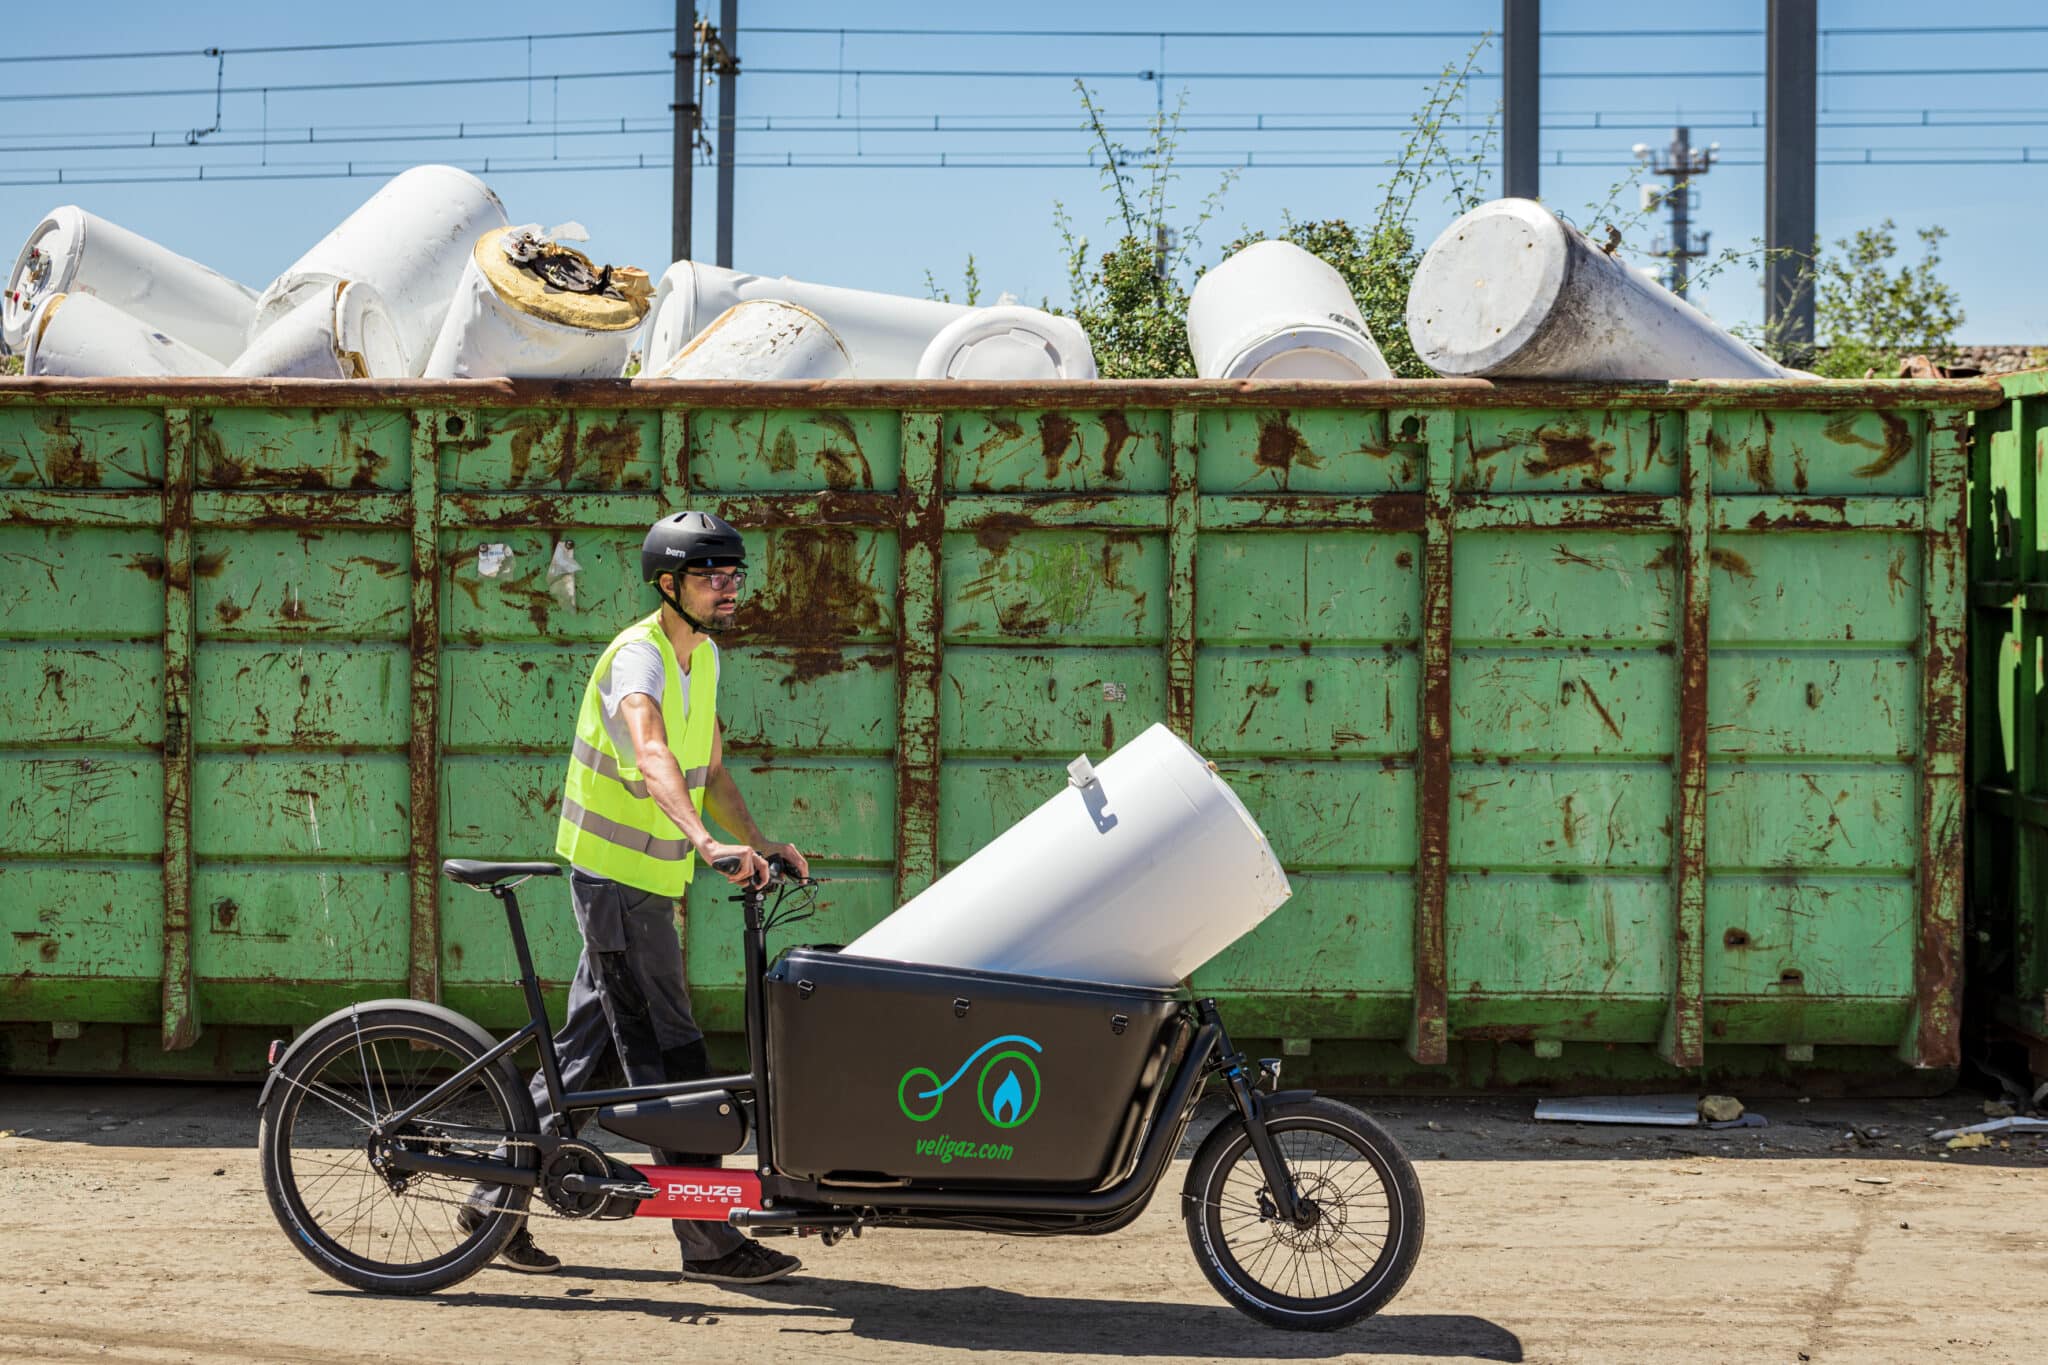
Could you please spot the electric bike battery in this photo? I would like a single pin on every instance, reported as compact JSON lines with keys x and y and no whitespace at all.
{"x":889,"y":1072}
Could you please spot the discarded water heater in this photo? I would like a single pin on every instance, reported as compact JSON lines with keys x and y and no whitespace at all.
{"x":1009,"y":342}
{"x":410,"y":241}
{"x":1275,"y":311}
{"x":885,"y":334}
{"x":81,"y":336}
{"x":764,"y":339}
{"x":1136,"y":873}
{"x":529,"y":307}
{"x":81,"y":254}
{"x":343,"y":332}
{"x":1510,"y":290}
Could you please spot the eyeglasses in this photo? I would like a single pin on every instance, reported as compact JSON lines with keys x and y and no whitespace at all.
{"x":718,"y":580}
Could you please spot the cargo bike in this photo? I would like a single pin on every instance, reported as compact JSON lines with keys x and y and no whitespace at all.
{"x":878,"y":1094}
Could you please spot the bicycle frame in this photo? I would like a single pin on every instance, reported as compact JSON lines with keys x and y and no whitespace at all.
{"x":789,"y":1204}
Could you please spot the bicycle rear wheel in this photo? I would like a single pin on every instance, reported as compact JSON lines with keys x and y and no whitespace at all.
{"x":392,"y":1232}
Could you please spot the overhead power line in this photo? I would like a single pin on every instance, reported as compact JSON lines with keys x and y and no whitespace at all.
{"x":212,"y":52}
{"x":537,"y":78}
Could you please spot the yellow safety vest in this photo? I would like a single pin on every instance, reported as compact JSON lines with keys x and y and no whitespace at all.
{"x":610,"y":826}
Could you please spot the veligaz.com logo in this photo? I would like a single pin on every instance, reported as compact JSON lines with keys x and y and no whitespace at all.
{"x":946,"y":1148}
{"x":1006,"y":1089}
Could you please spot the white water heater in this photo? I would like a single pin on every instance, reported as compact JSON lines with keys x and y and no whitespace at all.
{"x":528,"y":307}
{"x":1511,"y":291}
{"x":1275,"y":311}
{"x":764,"y":339}
{"x":340,"y":333}
{"x":884,"y":334}
{"x":79,"y":253}
{"x":1137,"y":871}
{"x":1009,"y":342}
{"x":84,"y":337}
{"x":410,"y":241}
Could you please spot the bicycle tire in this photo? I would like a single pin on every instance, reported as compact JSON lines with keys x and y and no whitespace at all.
{"x":1216,"y":1216}
{"x":362,"y":1040}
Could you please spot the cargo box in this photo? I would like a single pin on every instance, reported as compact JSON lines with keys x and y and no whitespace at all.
{"x":890,"y":1071}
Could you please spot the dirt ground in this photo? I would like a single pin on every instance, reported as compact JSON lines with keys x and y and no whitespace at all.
{"x":134,"y":1228}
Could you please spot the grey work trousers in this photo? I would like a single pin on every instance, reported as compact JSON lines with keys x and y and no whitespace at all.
{"x":628,"y":1004}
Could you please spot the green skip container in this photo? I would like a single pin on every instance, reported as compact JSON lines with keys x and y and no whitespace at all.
{"x":1610,"y":734}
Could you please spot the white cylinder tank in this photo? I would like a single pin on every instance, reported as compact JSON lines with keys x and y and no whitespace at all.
{"x":84,"y":337}
{"x":410,"y":241}
{"x":1137,"y":872}
{"x":884,"y":334}
{"x":764,"y":339}
{"x":1009,"y":342}
{"x":79,"y":253}
{"x":1512,"y":291}
{"x":341,"y":333}
{"x":1275,"y":311}
{"x":530,"y":308}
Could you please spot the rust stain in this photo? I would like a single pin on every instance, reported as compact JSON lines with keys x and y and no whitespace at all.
{"x":1281,"y":447}
{"x":1730,"y":563}
{"x":1116,"y":434}
{"x":847,"y":466}
{"x":1564,"y":554}
{"x":995,"y":533}
{"x":1895,"y":576}
{"x":1404,"y":560}
{"x":1568,"y":452}
{"x":819,"y":596}
{"x":64,"y":457}
{"x":1594,"y":699}
{"x":209,"y":564}
{"x":1055,"y":438}
{"x":1254,"y":694}
{"x":227,"y":611}
{"x":148,"y":565}
{"x":1736,"y":938}
{"x":612,"y":447}
{"x":1571,"y":819}
{"x":1895,"y":446}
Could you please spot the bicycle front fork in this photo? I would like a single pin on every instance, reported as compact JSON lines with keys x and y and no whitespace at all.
{"x":1251,"y":1108}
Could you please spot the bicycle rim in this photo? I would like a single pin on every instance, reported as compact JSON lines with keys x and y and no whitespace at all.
{"x":1348,"y":1248}
{"x":404,"y":1224}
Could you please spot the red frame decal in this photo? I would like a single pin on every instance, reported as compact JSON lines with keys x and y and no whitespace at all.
{"x":700,"y":1192}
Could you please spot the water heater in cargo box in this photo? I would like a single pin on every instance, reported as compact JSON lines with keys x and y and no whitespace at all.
{"x":1137,"y":872}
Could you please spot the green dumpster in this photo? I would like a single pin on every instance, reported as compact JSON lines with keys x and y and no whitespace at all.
{"x":1609,"y":733}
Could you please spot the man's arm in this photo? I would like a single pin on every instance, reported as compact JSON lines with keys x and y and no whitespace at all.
{"x":723,"y":800}
{"x":664,"y":779}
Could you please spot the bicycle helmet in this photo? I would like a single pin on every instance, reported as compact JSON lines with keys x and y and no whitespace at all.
{"x":687,"y":538}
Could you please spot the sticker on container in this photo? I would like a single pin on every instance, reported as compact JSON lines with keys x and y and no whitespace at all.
{"x":493,"y":561}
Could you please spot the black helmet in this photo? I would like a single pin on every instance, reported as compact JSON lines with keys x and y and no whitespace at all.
{"x":689,"y":538}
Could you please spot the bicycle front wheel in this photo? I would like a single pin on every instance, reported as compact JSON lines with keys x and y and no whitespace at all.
{"x":1362,"y":1227}
{"x":393,"y":1232}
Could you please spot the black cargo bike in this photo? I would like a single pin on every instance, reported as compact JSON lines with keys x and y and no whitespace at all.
{"x":878,"y":1094}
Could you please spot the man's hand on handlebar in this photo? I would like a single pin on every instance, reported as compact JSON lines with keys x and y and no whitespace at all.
{"x":737,"y":863}
{"x":791,"y":859}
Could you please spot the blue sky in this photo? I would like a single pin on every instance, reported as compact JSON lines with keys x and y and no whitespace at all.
{"x":1938,"y":139}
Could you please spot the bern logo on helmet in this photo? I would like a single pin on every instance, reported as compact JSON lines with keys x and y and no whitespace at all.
{"x":673,"y":553}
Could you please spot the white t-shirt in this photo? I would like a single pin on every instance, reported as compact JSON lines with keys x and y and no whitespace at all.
{"x":637,"y":668}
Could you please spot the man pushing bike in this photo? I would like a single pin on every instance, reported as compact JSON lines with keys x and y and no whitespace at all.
{"x":646,"y":766}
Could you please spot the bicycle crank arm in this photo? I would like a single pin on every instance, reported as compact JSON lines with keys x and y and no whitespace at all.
{"x":698,"y":1192}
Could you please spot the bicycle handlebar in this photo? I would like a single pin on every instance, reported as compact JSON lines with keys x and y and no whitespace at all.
{"x":778,"y":871}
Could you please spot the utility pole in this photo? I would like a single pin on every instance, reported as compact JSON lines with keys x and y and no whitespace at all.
{"x":684,"y":108}
{"x":1791,"y":78}
{"x":1684,"y":164}
{"x":728,"y":98}
{"x":1521,"y":105}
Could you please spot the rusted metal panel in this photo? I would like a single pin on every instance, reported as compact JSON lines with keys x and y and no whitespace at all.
{"x":1427,"y":1040}
{"x":1681,"y":1042}
{"x":423,"y":750}
{"x":918,"y":611}
{"x":180,"y":1023}
{"x":1938,"y":960}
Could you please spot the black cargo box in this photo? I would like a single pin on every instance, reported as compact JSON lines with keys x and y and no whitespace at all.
{"x":887,"y":1071}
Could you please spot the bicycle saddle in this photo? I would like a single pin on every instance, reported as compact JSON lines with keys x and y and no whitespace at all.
{"x":472,"y":872}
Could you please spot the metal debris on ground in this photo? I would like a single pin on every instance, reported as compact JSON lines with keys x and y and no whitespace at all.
{"x":2009,"y":1124}
{"x":1651,"y":1111}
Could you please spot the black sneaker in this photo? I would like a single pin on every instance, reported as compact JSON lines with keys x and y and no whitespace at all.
{"x":518,"y":1254}
{"x":748,"y":1263}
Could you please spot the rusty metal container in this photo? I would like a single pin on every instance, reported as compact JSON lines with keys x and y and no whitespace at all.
{"x":1606,"y":732}
{"x":2008,"y":859}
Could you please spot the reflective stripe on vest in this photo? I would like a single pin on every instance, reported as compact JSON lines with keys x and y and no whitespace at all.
{"x":610,"y":826}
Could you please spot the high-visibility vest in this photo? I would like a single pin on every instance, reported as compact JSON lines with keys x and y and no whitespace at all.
{"x":610,"y":826}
